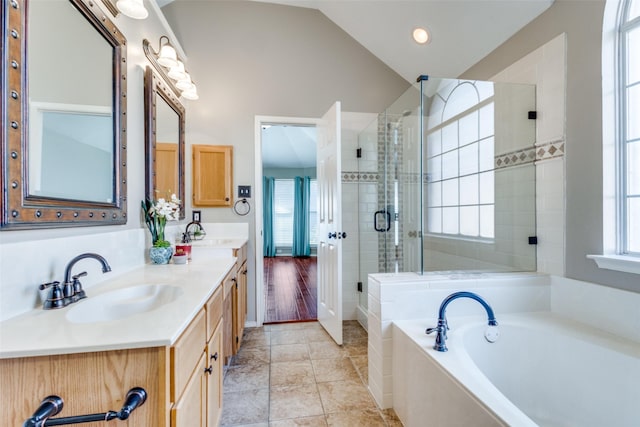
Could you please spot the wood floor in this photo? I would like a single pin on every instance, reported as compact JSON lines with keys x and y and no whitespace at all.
{"x":290,"y":289}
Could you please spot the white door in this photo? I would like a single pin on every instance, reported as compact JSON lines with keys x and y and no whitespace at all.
{"x":330,"y":233}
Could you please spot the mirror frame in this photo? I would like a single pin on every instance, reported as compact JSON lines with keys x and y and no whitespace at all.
{"x":19,"y":209}
{"x":155,"y":87}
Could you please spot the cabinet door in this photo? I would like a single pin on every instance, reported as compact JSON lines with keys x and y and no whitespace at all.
{"x":240,"y":305}
{"x":214,"y":379}
{"x":186,"y":352}
{"x":227,"y":318}
{"x":212,"y":175}
{"x":214,"y":309}
{"x":191,"y":409}
{"x":167,"y":174}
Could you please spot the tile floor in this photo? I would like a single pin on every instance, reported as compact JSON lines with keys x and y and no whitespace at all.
{"x":295,"y":375}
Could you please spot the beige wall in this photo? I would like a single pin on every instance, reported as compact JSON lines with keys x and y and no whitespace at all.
{"x":249,"y":58}
{"x":582,"y":22}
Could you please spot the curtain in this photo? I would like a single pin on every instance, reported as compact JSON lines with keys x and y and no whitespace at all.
{"x":268,"y":189}
{"x":301,"y":245}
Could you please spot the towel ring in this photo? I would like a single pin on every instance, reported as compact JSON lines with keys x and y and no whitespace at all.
{"x":242,"y":207}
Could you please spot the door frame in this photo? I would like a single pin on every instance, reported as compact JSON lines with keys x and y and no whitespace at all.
{"x":259,"y":261}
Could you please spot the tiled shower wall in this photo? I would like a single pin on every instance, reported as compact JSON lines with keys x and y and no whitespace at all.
{"x":544,"y":67}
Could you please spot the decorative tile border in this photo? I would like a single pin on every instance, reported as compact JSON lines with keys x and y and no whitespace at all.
{"x":348,"y":176}
{"x":550,"y":150}
{"x":545,"y":151}
{"x":515,"y":158}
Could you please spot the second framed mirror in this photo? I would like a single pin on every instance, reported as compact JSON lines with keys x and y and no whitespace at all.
{"x":164,"y":140}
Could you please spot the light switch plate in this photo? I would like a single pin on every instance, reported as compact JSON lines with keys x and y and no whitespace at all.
{"x":196,"y":216}
{"x":244,"y":191}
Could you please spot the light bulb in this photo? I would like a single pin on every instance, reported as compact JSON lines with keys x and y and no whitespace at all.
{"x":421,"y":36}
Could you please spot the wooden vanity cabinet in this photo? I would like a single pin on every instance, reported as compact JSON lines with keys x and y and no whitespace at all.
{"x":212,"y":175}
{"x":196,"y":368}
{"x":235,"y":304}
{"x":88,"y":383}
{"x":229,"y":285}
{"x":214,"y":310}
{"x":240,"y":297}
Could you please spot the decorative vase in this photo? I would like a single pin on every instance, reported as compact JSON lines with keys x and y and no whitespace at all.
{"x":160,"y":255}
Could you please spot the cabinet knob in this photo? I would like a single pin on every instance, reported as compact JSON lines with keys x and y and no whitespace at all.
{"x":209,"y":370}
{"x":215,"y":356}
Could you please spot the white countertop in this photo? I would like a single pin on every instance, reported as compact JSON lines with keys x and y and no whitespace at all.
{"x":47,"y":332}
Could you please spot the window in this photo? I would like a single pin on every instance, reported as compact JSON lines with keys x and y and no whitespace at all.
{"x":620,"y":137}
{"x":628,"y":145}
{"x":460,"y":153}
{"x":283,"y":218}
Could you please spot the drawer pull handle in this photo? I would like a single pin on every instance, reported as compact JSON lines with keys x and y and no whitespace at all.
{"x":209,"y":370}
{"x":215,"y":356}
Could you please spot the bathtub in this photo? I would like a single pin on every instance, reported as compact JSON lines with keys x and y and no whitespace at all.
{"x":544,"y":370}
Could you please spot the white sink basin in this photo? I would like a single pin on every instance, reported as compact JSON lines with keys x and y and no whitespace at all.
{"x":122,"y":303}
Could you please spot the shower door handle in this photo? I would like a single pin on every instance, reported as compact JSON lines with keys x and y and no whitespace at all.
{"x":387,"y":219}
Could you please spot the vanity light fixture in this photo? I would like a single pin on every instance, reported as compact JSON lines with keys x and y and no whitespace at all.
{"x":421,"y":35}
{"x":132,"y":8}
{"x":167,"y":62}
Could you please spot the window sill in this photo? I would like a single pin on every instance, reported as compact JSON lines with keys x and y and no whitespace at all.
{"x":624,"y":263}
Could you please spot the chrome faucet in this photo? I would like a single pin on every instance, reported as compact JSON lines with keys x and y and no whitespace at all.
{"x":491,"y":334}
{"x":71,"y":290}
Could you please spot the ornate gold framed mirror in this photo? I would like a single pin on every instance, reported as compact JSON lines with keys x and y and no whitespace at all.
{"x":64,"y":88}
{"x":164,"y":140}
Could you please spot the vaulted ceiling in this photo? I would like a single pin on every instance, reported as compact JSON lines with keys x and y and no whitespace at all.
{"x":462,"y":33}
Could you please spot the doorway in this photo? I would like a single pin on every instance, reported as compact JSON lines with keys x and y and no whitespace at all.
{"x":287,"y":171}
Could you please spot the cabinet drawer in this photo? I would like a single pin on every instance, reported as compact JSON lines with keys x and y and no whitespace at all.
{"x":186,"y":353}
{"x":214,"y":311}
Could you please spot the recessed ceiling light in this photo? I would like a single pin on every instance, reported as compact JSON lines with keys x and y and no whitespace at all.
{"x":421,"y":35}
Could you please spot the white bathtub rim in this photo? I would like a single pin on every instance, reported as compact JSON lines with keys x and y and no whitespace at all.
{"x":460,"y":367}
{"x":471,"y":380}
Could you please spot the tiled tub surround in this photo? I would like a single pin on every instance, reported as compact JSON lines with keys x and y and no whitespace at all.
{"x":543,"y":370}
{"x":409,"y":296}
{"x":295,"y":375}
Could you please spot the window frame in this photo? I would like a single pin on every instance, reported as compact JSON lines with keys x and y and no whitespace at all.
{"x":622,"y":86}
{"x":613,"y":256}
